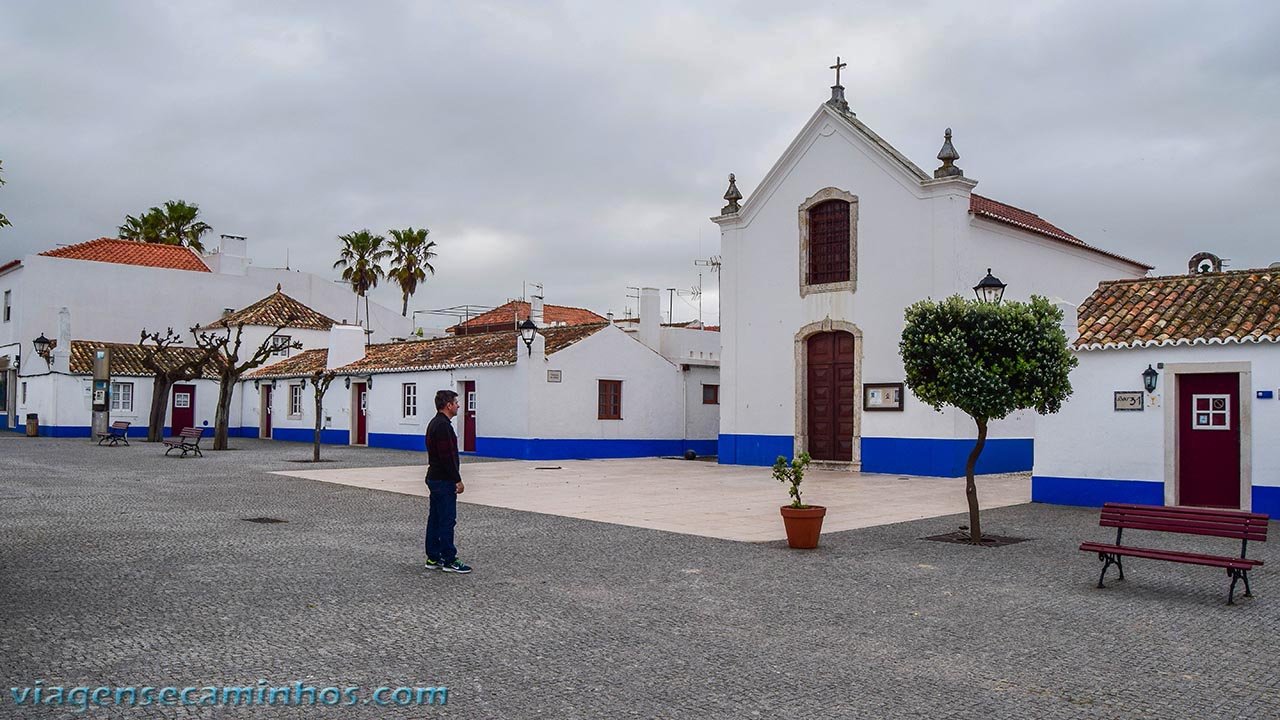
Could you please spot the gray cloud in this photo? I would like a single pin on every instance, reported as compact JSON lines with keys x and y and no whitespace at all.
{"x":585,"y":145}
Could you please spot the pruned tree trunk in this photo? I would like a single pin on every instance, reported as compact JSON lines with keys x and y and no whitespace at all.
{"x":223,"y":417}
{"x":315,"y":444}
{"x":320,"y":382}
{"x":404,"y":307}
{"x":160,"y":386}
{"x":971,"y":488}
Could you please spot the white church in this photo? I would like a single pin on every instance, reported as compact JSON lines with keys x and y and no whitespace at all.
{"x":819,"y":264}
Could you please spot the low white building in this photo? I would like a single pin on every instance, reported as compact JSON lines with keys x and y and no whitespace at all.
{"x":819,"y":264}
{"x":1205,"y":435}
{"x":113,"y":289}
{"x":58,"y":391}
{"x":581,"y":391}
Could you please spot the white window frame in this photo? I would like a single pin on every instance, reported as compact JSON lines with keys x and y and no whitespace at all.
{"x":409,"y":400}
{"x":295,"y":400}
{"x":118,"y":394}
{"x":1208,"y":415}
{"x":8,"y":299}
{"x":280,"y":345}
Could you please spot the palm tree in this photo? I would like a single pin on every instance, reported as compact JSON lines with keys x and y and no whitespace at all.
{"x":174,"y":224}
{"x":146,"y":228}
{"x":410,"y":261}
{"x":181,"y":226}
{"x":361,"y":261}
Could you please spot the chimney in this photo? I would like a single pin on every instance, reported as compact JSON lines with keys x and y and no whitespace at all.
{"x":536,"y":308}
{"x":232,"y":256}
{"x":346,"y":345}
{"x":650,"y":317}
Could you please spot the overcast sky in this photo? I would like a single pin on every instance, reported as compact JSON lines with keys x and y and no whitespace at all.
{"x":584,"y":145}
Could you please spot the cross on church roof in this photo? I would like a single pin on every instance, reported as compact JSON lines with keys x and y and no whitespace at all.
{"x":837,"y":67}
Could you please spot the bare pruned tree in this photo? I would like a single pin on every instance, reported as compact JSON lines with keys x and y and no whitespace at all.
{"x":168,"y":366}
{"x":320,"y":380}
{"x":225,"y":342}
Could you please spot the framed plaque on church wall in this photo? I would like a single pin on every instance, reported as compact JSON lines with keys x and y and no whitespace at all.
{"x":882,"y":396}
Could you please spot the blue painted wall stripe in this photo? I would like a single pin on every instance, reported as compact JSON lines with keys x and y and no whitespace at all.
{"x":395,"y":441}
{"x":944,"y":457}
{"x":940,"y":457}
{"x":754,"y":449}
{"x":328,"y":436}
{"x":1093,"y":492}
{"x":585,"y":449}
{"x":1266,"y":499}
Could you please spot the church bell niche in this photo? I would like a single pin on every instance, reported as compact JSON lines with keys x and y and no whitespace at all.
{"x":1204,"y":262}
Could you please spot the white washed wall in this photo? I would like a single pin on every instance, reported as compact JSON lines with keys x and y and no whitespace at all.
{"x":914,"y":242}
{"x":1089,"y":439}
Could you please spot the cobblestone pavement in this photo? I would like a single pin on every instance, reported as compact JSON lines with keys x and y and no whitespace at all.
{"x":121,"y":567}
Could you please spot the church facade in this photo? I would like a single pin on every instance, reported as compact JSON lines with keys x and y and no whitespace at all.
{"x":819,"y":264}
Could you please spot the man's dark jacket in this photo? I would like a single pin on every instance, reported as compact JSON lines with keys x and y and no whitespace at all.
{"x":443,"y":462}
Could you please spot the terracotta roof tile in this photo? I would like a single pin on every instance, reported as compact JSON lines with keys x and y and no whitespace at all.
{"x":1212,"y":308}
{"x":126,"y":358}
{"x":304,"y":364}
{"x":132,"y":252}
{"x":274,"y":310}
{"x":476,"y":350}
{"x":1017,"y":217}
{"x":506,"y":316}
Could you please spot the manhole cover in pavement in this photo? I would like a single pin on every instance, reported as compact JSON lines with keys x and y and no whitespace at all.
{"x":264,"y":520}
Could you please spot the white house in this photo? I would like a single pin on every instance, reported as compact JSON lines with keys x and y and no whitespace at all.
{"x":580,"y":391}
{"x":114,"y":288}
{"x":1209,"y":345}
{"x":840,"y":236}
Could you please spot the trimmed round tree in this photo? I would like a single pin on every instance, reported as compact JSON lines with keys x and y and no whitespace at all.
{"x":987,"y":360}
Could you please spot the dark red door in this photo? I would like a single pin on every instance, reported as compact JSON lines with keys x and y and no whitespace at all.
{"x":831,"y":397}
{"x":182,"y":414}
{"x":360,"y":414}
{"x":266,"y":412}
{"x":1209,"y":440}
{"x":469,"y":416}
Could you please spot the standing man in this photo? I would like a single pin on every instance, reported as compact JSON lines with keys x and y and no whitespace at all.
{"x":444,"y":480}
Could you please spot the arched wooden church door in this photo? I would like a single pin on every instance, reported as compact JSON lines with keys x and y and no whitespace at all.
{"x":831,"y":396}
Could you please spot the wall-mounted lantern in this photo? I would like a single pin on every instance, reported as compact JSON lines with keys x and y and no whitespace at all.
{"x":44,"y":347}
{"x":1149,"y":377}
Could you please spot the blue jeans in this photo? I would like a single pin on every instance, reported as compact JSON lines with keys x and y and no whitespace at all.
{"x":441,"y":518}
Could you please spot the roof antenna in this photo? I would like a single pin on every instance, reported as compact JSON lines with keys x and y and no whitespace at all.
{"x":286,"y":258}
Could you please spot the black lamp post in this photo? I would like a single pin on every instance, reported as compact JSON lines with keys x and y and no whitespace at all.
{"x":527,"y":331}
{"x":990,"y":289}
{"x":43,"y":345}
{"x":1149,"y":377}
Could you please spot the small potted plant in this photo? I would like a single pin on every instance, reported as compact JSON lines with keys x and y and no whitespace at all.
{"x":803,"y":522}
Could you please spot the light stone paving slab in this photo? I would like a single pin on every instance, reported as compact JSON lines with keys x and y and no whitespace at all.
{"x":730,"y":502}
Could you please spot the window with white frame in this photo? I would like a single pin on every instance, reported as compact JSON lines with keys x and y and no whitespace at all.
{"x":1211,"y":412}
{"x":409,"y":399}
{"x":8,"y":297}
{"x":280,"y":345}
{"x":122,"y":396}
{"x":24,"y":392}
{"x":295,"y":400}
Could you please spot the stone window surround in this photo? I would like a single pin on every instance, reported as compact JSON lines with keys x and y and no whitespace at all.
{"x":801,"y":443}
{"x":823,"y":195}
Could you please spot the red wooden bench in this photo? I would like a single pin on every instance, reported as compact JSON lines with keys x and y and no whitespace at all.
{"x":188,"y":441}
{"x":1233,"y":524}
{"x":116,"y":434}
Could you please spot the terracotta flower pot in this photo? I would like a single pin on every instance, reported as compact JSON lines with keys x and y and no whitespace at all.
{"x":803,"y":525}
